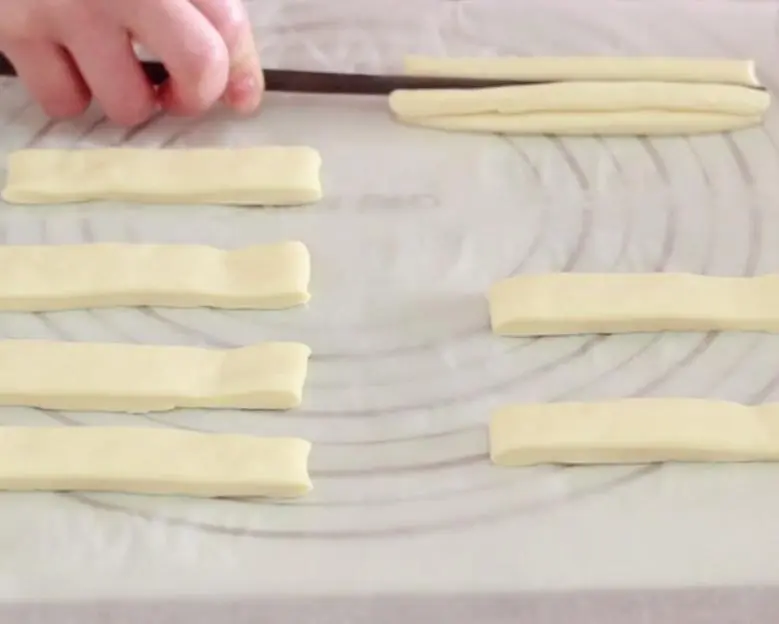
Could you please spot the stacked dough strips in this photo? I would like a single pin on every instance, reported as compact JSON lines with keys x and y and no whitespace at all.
{"x":139,"y":378}
{"x":633,"y":430}
{"x":588,"y":95}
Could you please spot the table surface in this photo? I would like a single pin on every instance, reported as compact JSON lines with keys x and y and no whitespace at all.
{"x":408,"y":517}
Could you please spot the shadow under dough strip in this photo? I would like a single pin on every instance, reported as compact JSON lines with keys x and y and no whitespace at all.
{"x":581,"y":303}
{"x":270,"y":176}
{"x":36,"y":278}
{"x":632,"y":431}
{"x":540,"y":68}
{"x":152,"y":461}
{"x":141,"y":378}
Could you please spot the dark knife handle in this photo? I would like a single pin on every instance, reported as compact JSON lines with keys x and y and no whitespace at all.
{"x":155,"y":71}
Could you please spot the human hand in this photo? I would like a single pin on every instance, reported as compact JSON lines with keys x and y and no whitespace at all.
{"x":68,"y":51}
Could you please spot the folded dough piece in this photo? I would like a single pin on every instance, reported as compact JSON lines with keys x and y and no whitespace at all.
{"x":141,"y":378}
{"x":59,"y":277}
{"x":151,"y":461}
{"x":583,"y":97}
{"x":582,"y":303}
{"x":539,"y":68}
{"x":598,"y":96}
{"x":277,"y":176}
{"x":633,"y":431}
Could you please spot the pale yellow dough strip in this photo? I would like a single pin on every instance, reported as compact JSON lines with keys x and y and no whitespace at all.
{"x":152,"y":461}
{"x":581,"y":98}
{"x":582,"y":303}
{"x":630,"y":123}
{"x":664,"y":69}
{"x":272,"y":176}
{"x":38,"y":278}
{"x":142,"y":378}
{"x":632,"y":431}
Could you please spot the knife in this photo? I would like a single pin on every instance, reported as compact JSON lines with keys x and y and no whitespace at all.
{"x":296,"y":81}
{"x":300,"y":81}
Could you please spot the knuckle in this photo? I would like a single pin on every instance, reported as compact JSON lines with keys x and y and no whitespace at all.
{"x":206,"y":76}
{"x":63,"y":19}
{"x":231,"y":22}
{"x":228,"y":17}
{"x":59,"y":107}
{"x":59,"y":12}
{"x":208,"y":58}
{"x":130,"y":113}
{"x":21,"y":21}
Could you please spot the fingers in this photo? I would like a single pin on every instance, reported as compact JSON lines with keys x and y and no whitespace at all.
{"x":50,"y":75}
{"x":83,"y":47}
{"x":190,"y":47}
{"x":245,"y":81}
{"x":108,"y":64}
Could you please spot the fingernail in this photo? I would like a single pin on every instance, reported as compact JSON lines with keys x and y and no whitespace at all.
{"x":243,"y":92}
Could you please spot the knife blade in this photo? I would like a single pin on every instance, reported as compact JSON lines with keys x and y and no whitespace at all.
{"x":298,"y":81}
{"x":295,"y":81}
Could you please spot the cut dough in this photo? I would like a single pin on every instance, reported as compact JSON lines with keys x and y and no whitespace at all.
{"x":633,"y":123}
{"x":724,"y":71}
{"x":582,"y":97}
{"x":53,"y":277}
{"x":151,"y":461}
{"x":581,"y":303}
{"x":631,"y":431}
{"x":252,"y":176}
{"x":141,"y":378}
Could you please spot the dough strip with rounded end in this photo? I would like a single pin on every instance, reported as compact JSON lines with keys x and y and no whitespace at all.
{"x":272,"y":176}
{"x":36,"y":278}
{"x":539,"y":68}
{"x":152,"y":461}
{"x":631,"y":431}
{"x":583,"y":303}
{"x":581,"y":98}
{"x":142,"y":378}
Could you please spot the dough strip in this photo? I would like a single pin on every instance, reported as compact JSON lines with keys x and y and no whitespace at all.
{"x":151,"y":461}
{"x":581,"y":303}
{"x":141,"y":378}
{"x":272,"y":176}
{"x":630,"y":123}
{"x":664,"y":69}
{"x":582,"y":98}
{"x":631,"y":431}
{"x":36,"y":278}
